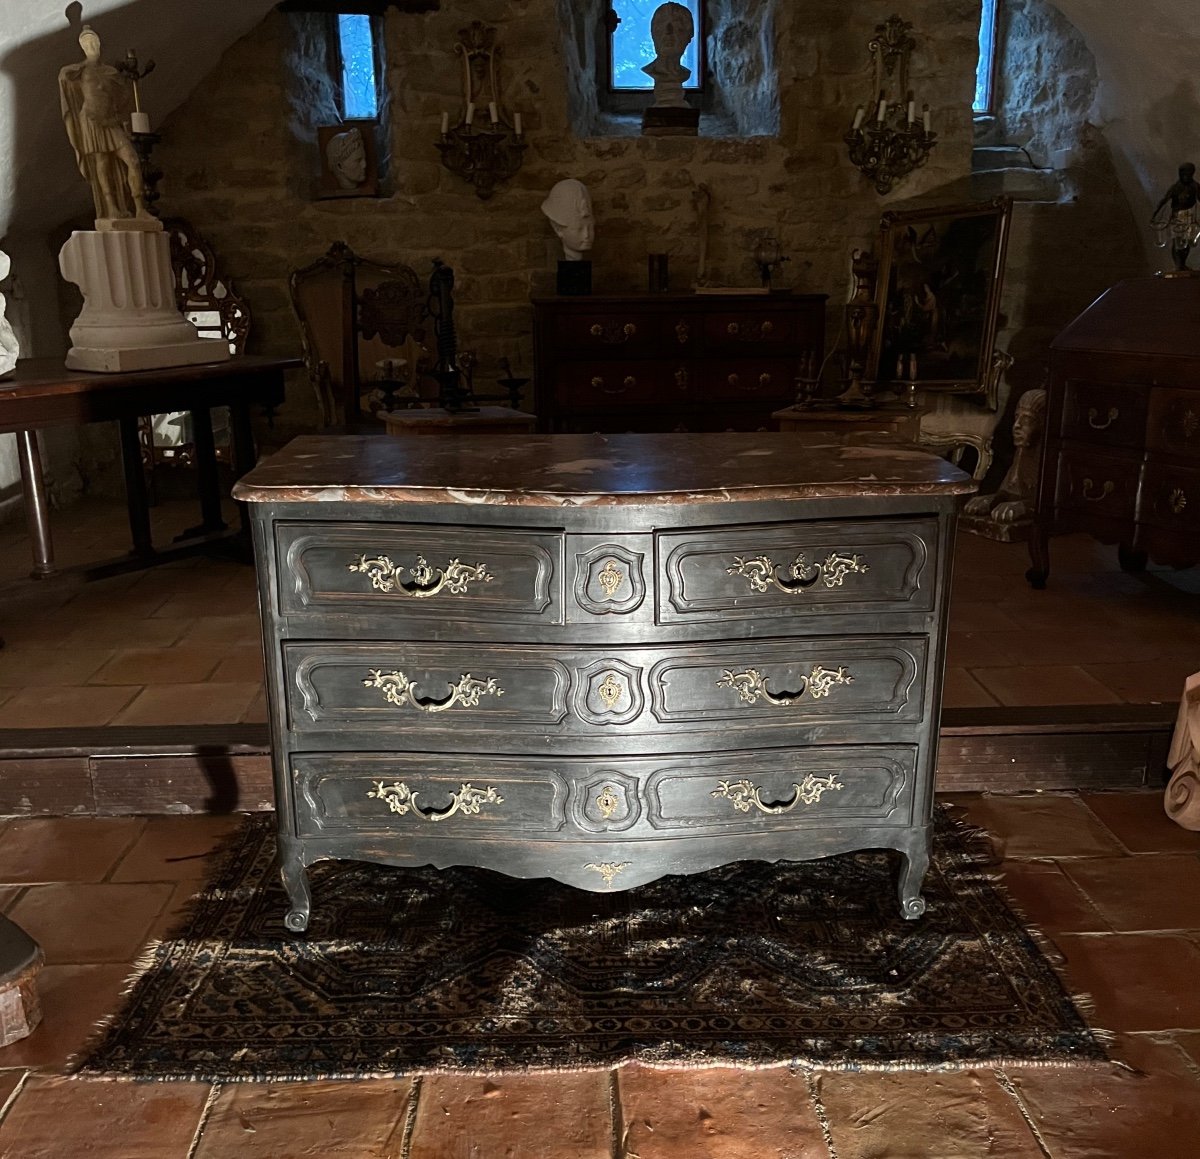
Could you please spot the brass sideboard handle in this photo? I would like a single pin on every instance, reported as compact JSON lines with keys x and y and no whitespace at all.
{"x":768,"y":327}
{"x":1178,"y":501}
{"x":1108,"y":489}
{"x":628,"y":383}
{"x":682,"y":378}
{"x":751,"y":685}
{"x":763,"y":573}
{"x":597,"y":331}
{"x":426,"y":581}
{"x":683,"y":332}
{"x":764,"y":380}
{"x":629,"y":330}
{"x":609,"y":870}
{"x":1094,"y":414}
{"x":744,"y":795}
{"x":397,"y":689}
{"x":733,"y":329}
{"x":468,"y":800}
{"x":734,"y":380}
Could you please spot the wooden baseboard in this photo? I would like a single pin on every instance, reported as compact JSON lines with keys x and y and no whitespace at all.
{"x":223,"y":769}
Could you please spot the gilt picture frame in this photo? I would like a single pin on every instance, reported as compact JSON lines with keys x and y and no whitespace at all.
{"x":941,"y":274}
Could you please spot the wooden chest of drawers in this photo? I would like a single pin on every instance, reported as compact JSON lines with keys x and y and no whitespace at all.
{"x":601,"y":659}
{"x":672,"y":362}
{"x":1122,"y":451}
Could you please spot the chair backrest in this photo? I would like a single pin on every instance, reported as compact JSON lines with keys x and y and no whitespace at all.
{"x":356,"y":314}
{"x":204,"y":297}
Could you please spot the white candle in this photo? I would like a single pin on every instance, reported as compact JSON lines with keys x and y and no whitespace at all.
{"x":517,"y":123}
{"x":927,"y":118}
{"x":445,"y":124}
{"x":859,"y":116}
{"x":912,"y":111}
{"x":882,"y":110}
{"x":492,"y":115}
{"x":470,"y":113}
{"x":139,"y":122}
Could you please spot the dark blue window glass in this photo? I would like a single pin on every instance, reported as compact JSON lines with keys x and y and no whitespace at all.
{"x":987,"y":56}
{"x":360,"y":93}
{"x":632,"y":46}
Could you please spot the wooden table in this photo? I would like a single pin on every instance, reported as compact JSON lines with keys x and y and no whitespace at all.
{"x":42,"y":393}
{"x":897,"y":426}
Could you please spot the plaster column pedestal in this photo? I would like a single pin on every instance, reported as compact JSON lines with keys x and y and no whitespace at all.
{"x":129,"y":320}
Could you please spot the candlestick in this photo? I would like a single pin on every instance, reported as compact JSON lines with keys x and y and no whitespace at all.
{"x":492,"y":115}
{"x":445,"y":124}
{"x":517,"y":123}
{"x":860,"y":115}
{"x":470,"y":112}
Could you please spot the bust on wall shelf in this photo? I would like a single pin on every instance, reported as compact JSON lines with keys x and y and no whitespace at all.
{"x":346,"y":156}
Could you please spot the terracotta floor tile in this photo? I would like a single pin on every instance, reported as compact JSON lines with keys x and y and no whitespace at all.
{"x":1157,"y":681}
{"x":333,"y":1120}
{"x":84,"y":922}
{"x":1113,"y":1113}
{"x":560,"y":1116}
{"x":121,"y":631}
{"x":10,"y":1080}
{"x":1138,"y":981}
{"x":181,"y":664}
{"x":1050,"y":899}
{"x":982,"y":649}
{"x":56,"y":1117}
{"x":245,"y":664}
{"x":257,"y":712}
{"x":187,"y":704}
{"x":74,"y":999}
{"x":230,"y":631}
{"x":1140,"y":824}
{"x":175,"y":848}
{"x":22,"y":665}
{"x":1084,"y":645}
{"x":1052,"y":684}
{"x":43,"y":849}
{"x":54,"y":707}
{"x":1041,"y":825}
{"x":1148,"y":892}
{"x":979,"y":616}
{"x":1189,"y":1042}
{"x":961,"y":690}
{"x":914,"y":1115}
{"x":723,"y":1114}
{"x":171,"y":918}
{"x":217,"y":602}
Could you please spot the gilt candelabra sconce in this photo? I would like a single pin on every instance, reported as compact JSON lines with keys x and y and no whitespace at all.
{"x":485,"y":147}
{"x":887,"y":140}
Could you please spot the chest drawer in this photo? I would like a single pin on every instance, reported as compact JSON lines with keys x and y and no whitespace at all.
{"x":762,"y":379}
{"x":589,"y":385}
{"x":521,"y":698}
{"x":789,"y":570}
{"x":733,"y":331}
{"x":605,"y":334}
{"x":1171,"y":498}
{"x":1102,"y":485}
{"x":1105,"y":414}
{"x":1175,"y":422}
{"x":420,"y":573}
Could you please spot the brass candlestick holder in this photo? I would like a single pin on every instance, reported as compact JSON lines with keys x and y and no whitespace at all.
{"x":485,"y":147}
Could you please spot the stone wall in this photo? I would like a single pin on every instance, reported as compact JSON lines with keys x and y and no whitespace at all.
{"x":241,"y":160}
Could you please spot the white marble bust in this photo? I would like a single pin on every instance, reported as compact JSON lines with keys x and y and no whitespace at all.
{"x":9,"y":347}
{"x":672,"y":29}
{"x":346,"y":156}
{"x":569,"y":208}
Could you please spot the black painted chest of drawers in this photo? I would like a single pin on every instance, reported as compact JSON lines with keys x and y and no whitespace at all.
{"x":601,"y":660}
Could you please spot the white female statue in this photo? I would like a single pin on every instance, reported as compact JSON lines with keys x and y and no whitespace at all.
{"x":10,"y":349}
{"x":672,"y":29}
{"x":569,"y":208}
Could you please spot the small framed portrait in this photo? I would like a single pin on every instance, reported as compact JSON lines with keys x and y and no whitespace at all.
{"x":349,"y":161}
{"x":938,"y":296}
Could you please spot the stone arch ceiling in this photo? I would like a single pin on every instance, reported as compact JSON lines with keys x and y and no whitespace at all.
{"x":39,"y":185}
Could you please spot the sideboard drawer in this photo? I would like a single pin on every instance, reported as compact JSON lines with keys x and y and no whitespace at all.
{"x":1102,"y":485}
{"x":520,"y":697}
{"x":783,"y":571}
{"x":731,"y":331}
{"x":1171,"y":498}
{"x":1175,"y":422}
{"x":753,"y":379}
{"x":420,"y":572}
{"x":592,"y":385}
{"x":606,"y":334}
{"x":1104,"y":414}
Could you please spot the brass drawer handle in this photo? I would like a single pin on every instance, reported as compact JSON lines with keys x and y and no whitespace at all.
{"x":1089,"y":486}
{"x":733,"y":329}
{"x":763,"y":573}
{"x":397,"y":689}
{"x":629,"y":330}
{"x":751,"y":685}
{"x":744,"y":795}
{"x":627,"y":383}
{"x":1094,"y":414}
{"x":683,"y":332}
{"x":683,"y":380}
{"x":765,"y":329}
{"x":1178,"y":501}
{"x":735,"y":380}
{"x":764,"y":380}
{"x":597,"y":331}
{"x":768,"y":328}
{"x":426,"y":581}
{"x":400,"y":799}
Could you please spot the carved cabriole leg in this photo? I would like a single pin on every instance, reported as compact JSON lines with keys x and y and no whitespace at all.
{"x":1039,"y":555}
{"x":916,"y":862}
{"x":295,"y":880}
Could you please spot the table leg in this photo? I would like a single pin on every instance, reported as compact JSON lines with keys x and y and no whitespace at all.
{"x":136,"y":496}
{"x":244,"y":455}
{"x":37,"y":509}
{"x":208,"y":477}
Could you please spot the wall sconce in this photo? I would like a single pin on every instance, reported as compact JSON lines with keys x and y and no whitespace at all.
{"x":887,"y":141}
{"x":485,"y":147}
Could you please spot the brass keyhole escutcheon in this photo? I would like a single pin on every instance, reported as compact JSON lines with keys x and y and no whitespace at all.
{"x":611,"y":578}
{"x":608,"y":802}
{"x":611,"y":691}
{"x":1179,"y":501}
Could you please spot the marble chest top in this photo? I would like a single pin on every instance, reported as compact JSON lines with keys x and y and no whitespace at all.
{"x":588,"y":470}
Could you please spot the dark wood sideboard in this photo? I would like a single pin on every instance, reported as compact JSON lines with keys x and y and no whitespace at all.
{"x":1122,"y":452}
{"x":601,"y":659}
{"x":672,"y":362}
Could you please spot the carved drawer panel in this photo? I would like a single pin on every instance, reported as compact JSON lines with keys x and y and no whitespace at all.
{"x":1105,"y":414}
{"x":425,"y":795}
{"x":1175,"y":422}
{"x":763,"y":379}
{"x":590,"y":385}
{"x":607,"y":334}
{"x":420,"y":572}
{"x":734,"y":330}
{"x":1171,"y":498}
{"x":1102,"y":485}
{"x":610,"y":577}
{"x":785,"y":571}
{"x":800,"y":789}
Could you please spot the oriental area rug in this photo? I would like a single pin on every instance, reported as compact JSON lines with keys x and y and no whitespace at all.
{"x":407,"y":971}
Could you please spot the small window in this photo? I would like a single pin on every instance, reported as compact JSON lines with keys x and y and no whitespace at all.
{"x":986,"y":70}
{"x":357,"y":67}
{"x":631,"y":46}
